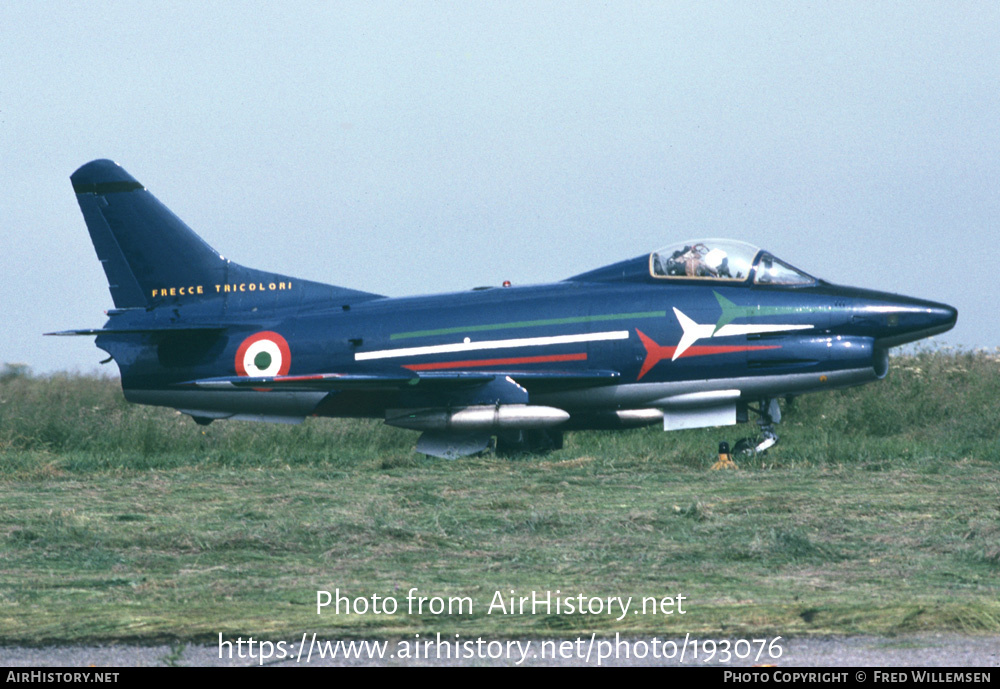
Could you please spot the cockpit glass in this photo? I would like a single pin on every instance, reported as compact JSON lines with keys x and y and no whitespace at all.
{"x":709,"y":259}
{"x":771,"y":271}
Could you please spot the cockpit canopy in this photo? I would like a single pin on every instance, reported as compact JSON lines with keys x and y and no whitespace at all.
{"x":723,"y":260}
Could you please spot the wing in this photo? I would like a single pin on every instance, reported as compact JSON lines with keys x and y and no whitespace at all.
{"x":458,"y":411}
{"x":403,"y":379}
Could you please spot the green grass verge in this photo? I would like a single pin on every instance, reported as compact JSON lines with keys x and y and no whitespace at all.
{"x":879,"y":512}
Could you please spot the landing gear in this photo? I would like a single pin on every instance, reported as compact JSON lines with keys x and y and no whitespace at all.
{"x":770,"y":414}
{"x":528,"y":442}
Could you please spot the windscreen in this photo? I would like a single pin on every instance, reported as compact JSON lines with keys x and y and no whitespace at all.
{"x":708,"y":259}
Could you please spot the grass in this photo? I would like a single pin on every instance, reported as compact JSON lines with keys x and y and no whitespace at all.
{"x":879,"y":512}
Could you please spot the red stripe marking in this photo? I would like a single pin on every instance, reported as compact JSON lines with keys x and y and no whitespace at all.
{"x":656,"y":353}
{"x":702,"y":350}
{"x":436,"y":366}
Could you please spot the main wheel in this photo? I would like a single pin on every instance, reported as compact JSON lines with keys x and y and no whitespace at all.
{"x":530,"y":442}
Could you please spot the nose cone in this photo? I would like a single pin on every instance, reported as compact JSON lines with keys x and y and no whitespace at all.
{"x":919,"y":321}
{"x":894,"y":320}
{"x":941,"y":317}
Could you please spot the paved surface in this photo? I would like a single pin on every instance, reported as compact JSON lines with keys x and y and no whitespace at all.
{"x":864,"y":651}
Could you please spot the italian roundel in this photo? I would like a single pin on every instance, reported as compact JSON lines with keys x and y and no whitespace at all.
{"x":263,"y":354}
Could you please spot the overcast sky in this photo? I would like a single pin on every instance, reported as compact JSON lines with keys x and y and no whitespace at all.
{"x":421,"y":147}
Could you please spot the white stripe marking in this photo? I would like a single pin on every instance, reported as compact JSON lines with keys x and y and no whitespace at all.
{"x":492,"y":344}
{"x":696,"y":331}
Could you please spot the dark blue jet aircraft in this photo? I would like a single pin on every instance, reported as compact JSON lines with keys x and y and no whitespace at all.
{"x":697,"y":334}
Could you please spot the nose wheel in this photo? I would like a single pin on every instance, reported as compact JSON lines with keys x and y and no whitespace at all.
{"x":769,"y":413}
{"x":757,"y":444}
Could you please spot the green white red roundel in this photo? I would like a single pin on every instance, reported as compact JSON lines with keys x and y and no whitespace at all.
{"x":263,"y":354}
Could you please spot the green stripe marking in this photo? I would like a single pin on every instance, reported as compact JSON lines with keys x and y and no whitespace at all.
{"x":731,"y":311}
{"x":527,"y":324}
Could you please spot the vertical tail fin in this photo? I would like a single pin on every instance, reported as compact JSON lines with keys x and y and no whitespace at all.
{"x":151,"y":257}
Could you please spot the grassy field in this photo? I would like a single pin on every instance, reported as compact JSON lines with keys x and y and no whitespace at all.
{"x":879,"y":512}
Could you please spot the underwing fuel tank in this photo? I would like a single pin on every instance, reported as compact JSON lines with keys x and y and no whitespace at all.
{"x":618,"y":419}
{"x":477,"y":418}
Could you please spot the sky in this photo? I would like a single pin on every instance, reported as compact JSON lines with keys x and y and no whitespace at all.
{"x":421,"y":147}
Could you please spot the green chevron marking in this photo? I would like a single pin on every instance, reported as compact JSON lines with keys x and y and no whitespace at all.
{"x":731,"y":311}
{"x":526,"y":324}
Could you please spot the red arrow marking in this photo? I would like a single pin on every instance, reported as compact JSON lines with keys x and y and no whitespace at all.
{"x":656,"y":353}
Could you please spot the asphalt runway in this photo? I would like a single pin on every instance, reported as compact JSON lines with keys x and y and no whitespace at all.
{"x":940,"y":650}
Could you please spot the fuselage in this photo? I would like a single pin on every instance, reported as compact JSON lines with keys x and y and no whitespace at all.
{"x":788,"y":340}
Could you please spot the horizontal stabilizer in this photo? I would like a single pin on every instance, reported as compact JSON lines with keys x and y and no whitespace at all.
{"x":143,"y":331}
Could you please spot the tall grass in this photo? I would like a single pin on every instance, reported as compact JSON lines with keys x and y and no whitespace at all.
{"x":84,"y":423}
{"x":934,"y":404}
{"x":941,"y":404}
